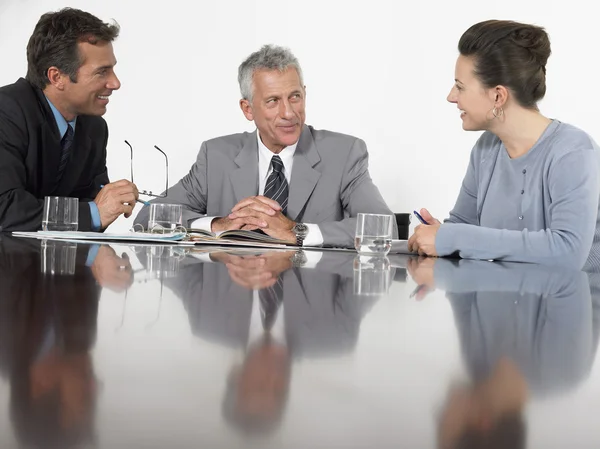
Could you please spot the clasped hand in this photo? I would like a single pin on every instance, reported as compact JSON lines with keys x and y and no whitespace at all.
{"x":257,"y":212}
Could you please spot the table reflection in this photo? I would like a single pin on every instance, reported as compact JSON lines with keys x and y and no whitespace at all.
{"x":525,"y":331}
{"x":281,"y":341}
{"x":47,"y":330}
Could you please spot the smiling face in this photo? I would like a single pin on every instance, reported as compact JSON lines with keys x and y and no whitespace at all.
{"x":96,"y":81}
{"x":474,"y":100}
{"x":277,"y":107}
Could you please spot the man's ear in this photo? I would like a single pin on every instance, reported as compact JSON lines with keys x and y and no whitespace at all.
{"x":246,"y":108}
{"x":56,"y":78}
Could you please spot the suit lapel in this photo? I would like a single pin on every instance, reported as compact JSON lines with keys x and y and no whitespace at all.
{"x":51,"y":149}
{"x":304,"y":176}
{"x":245,"y":178}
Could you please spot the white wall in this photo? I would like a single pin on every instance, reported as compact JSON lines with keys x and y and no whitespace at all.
{"x":379,"y":70}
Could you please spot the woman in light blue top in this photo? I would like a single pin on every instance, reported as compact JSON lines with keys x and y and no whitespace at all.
{"x":531,"y":191}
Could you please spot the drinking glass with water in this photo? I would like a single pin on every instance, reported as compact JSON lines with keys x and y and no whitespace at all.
{"x":165,"y":217}
{"x":373,"y":234}
{"x":60,"y":214}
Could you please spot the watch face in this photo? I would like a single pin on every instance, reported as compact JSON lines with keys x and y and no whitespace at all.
{"x":300,"y":229}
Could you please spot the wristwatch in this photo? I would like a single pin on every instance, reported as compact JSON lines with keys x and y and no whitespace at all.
{"x":299,"y":259}
{"x":301,"y":231}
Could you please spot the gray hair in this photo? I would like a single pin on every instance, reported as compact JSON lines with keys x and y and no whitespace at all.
{"x":269,"y":57}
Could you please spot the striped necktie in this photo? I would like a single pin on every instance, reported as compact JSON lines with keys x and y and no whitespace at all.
{"x":276,"y":187}
{"x":66,"y":144}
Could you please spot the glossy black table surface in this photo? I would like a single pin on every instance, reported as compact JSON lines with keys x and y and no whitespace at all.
{"x":135,"y":346}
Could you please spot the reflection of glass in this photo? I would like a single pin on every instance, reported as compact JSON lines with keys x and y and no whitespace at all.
{"x":58,"y":257}
{"x":163,"y":261}
{"x":373,"y":234}
{"x":165,"y":217}
{"x":372,"y":275}
{"x":60,"y":214}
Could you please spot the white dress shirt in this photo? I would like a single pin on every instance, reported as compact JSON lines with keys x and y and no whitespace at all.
{"x":314,"y":237}
{"x":256,"y":330}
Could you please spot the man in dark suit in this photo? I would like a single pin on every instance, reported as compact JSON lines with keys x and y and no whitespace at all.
{"x":52,"y":137}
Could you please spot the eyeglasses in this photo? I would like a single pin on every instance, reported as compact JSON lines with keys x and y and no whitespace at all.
{"x":146,"y":192}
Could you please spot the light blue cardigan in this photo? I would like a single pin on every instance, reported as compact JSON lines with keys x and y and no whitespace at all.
{"x":559,"y":225}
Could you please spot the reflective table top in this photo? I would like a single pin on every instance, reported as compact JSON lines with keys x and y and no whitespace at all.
{"x":139,"y":346}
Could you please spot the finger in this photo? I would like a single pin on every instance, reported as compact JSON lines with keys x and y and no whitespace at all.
{"x":252,"y":209}
{"x":245,"y":271}
{"x":411,"y":243}
{"x":253,"y":263}
{"x":273,"y":205}
{"x":239,"y":281}
{"x":123,"y":190}
{"x":127,"y":210}
{"x":234,"y":224}
{"x":128,"y":198}
{"x":422,"y":293}
{"x":250,"y":228}
{"x":119,"y":183}
{"x":236,"y":260}
{"x":269,"y":202}
{"x":428,"y":217}
{"x":244,"y":203}
{"x":258,"y":222}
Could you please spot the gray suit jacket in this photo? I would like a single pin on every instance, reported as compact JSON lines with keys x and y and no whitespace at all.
{"x":330,"y":182}
{"x":322,"y":314}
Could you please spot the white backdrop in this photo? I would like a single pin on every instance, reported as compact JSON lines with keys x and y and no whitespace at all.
{"x":379,"y":70}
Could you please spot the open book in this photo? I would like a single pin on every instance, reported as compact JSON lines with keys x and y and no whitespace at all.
{"x":239,"y":235}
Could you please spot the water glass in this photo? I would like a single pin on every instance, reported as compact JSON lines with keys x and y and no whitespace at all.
{"x":165,"y":217}
{"x":372,"y":275}
{"x":60,"y":214}
{"x":373,"y":234}
{"x":58,"y":257}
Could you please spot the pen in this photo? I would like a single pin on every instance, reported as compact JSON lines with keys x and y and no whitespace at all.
{"x":417,"y":291}
{"x":145,"y":203}
{"x":420,"y":218}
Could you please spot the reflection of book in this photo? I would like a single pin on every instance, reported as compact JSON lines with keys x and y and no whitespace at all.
{"x":238,"y":235}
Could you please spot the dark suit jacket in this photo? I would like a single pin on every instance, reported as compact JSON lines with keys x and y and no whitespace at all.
{"x":30,"y":154}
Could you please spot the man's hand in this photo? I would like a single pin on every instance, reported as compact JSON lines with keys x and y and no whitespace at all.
{"x":255,"y":272}
{"x":265,"y":214}
{"x":112,"y":271}
{"x":115,"y":199}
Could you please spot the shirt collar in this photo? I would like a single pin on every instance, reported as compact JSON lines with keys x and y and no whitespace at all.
{"x":265,"y":155}
{"x":60,"y":120}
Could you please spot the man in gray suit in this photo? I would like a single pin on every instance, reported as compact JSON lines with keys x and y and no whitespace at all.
{"x":287,"y":179}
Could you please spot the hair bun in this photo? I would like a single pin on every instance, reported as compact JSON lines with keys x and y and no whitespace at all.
{"x":535,"y":40}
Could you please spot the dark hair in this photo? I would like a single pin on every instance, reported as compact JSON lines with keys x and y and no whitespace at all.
{"x":54,"y":42}
{"x":510,"y":54}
